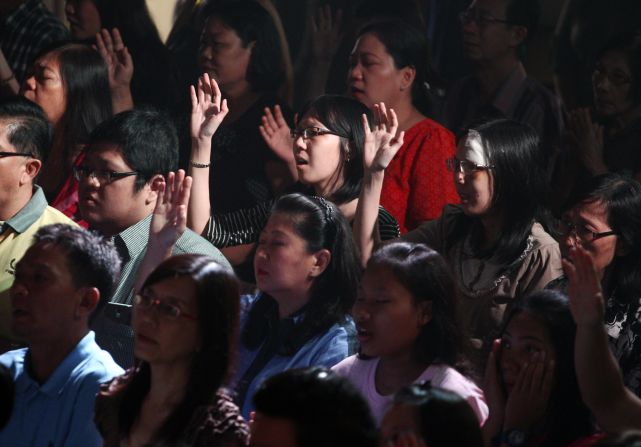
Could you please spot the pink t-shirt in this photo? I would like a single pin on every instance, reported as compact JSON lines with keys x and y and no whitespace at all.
{"x":361,"y":374}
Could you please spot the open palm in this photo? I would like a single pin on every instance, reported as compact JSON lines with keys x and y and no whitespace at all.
{"x":208,"y":109}
{"x":382,"y":142}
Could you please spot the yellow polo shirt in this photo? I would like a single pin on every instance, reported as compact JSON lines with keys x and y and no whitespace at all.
{"x":16,"y":236}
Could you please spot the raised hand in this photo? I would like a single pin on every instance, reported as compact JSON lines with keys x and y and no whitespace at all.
{"x":120,"y":65}
{"x":276,"y":133}
{"x":208,"y":109}
{"x":169,"y":219}
{"x":586,"y":296}
{"x":528,"y":400}
{"x":325,"y":33}
{"x":382,"y":142}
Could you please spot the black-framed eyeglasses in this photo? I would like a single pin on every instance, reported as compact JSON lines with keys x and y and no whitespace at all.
{"x":311,"y":132}
{"x":166,"y":310}
{"x":4,"y":154}
{"x":102,"y":175}
{"x":581,"y":232}
{"x":479,"y":17}
{"x":615,"y":78}
{"x":464,"y":167}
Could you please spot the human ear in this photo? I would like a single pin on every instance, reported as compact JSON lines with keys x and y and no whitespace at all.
{"x":154,"y":184}
{"x":89,"y":298}
{"x":408,"y":74}
{"x":322,"y":258}
{"x":32,"y":168}
{"x":518,"y":35}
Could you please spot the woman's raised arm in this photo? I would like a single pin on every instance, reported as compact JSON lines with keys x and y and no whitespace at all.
{"x":381,"y":145}
{"x":208,"y":110}
{"x":615,"y":407}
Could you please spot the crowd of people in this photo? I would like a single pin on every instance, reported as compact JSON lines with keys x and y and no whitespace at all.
{"x":258,"y":234}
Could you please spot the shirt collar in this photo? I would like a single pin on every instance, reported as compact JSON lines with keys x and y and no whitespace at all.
{"x":133,"y":239}
{"x":29,"y":213}
{"x":57,"y":382}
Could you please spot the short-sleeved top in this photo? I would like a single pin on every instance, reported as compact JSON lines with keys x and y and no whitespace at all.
{"x":58,"y":412}
{"x":211,"y":425}
{"x":362,"y":372}
{"x":487,"y":285}
{"x":417,"y":185}
{"x":326,"y":349}
{"x":112,"y":325}
{"x":30,"y":29}
{"x":16,"y":236}
{"x":519,"y":97}
{"x":238,"y":157}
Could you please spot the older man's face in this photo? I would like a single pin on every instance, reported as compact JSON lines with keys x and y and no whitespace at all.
{"x":44,"y":297}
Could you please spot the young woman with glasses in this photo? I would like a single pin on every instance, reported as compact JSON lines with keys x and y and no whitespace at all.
{"x":604,"y":218}
{"x":492,"y":242}
{"x":326,"y":156}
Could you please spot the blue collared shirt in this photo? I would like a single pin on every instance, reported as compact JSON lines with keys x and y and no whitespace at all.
{"x":60,"y":411}
{"x":326,"y":349}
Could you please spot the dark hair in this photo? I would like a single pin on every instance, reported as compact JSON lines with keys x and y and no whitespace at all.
{"x":254,"y":25}
{"x":332,"y":294}
{"x":146,"y":139}
{"x":513,"y":151}
{"x":409,"y":48}
{"x":92,"y":260}
{"x":324,"y":408}
{"x":445,"y":418}
{"x":568,"y":418}
{"x":630,"y":45}
{"x":7,"y":396}
{"x":217,"y":299}
{"x":621,"y":198}
{"x":343,"y":115}
{"x":88,"y":97}
{"x":26,"y":125}
{"x":426,"y":275}
{"x":155,"y":74}
{"x":525,"y":13}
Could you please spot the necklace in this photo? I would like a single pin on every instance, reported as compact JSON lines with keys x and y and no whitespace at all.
{"x":469,"y":287}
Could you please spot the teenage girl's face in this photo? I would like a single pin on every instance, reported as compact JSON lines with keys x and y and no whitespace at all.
{"x":84,"y":19}
{"x":524,"y":336}
{"x":399,"y":419}
{"x":612,"y":85}
{"x":283,"y":265}
{"x":388,"y":321}
{"x":373,"y":76}
{"x":476,"y":189}
{"x":222,"y":54}
{"x":45,"y":87}
{"x":162,"y":338}
{"x":319,"y":161}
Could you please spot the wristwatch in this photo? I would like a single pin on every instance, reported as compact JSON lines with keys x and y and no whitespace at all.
{"x":514,"y":438}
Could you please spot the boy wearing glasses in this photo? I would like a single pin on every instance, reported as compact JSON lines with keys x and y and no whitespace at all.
{"x":25,"y":136}
{"x":119,"y":181}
